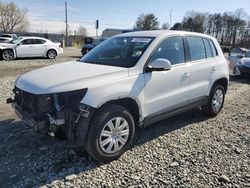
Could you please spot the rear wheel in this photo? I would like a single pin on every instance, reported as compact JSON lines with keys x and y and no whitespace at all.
{"x":215,"y":101}
{"x":111,"y":133}
{"x":51,"y":54}
{"x":8,"y":55}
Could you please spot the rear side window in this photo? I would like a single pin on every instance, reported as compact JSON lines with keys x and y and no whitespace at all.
{"x":214,"y":51}
{"x":40,"y":41}
{"x":196,"y":47}
{"x":208,"y":49}
{"x":28,"y":41}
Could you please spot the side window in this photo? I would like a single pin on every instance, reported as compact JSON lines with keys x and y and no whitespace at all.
{"x":209,"y":52}
{"x":196,"y":47}
{"x":171,"y":49}
{"x":28,"y":41}
{"x":214,"y":51}
{"x":39,"y":41}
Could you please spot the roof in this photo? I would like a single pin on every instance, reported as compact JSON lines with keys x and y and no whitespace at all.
{"x":121,"y":30}
{"x":159,"y":33}
{"x":31,"y":37}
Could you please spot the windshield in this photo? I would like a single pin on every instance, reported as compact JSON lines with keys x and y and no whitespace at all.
{"x":15,"y":41}
{"x":118,"y":51}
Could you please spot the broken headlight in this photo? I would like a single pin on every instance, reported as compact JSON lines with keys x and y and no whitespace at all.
{"x":71,"y":98}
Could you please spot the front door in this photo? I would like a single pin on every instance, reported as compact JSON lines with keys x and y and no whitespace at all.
{"x":167,"y":90}
{"x":26,"y":48}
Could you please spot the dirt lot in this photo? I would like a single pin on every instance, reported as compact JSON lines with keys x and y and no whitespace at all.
{"x":189,"y":150}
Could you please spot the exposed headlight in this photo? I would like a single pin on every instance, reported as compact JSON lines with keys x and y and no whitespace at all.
{"x":71,"y":98}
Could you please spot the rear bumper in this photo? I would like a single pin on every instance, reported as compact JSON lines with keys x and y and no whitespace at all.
{"x":60,"y":51}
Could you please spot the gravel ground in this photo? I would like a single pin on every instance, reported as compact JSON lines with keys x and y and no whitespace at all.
{"x":188,"y":150}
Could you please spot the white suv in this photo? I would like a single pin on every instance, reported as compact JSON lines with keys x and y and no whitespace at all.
{"x":132,"y":79}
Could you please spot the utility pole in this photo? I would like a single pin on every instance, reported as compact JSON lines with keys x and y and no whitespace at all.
{"x":66,"y":21}
{"x":97,"y":27}
{"x":170,"y":18}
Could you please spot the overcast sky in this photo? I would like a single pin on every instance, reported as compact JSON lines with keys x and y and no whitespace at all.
{"x":49,"y":15}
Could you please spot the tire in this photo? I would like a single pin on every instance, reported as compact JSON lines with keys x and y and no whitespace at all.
{"x":215,"y":101}
{"x":100,"y":132}
{"x":8,"y":55}
{"x":51,"y":54}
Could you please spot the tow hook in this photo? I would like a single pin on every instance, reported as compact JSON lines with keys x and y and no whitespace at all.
{"x":10,"y":100}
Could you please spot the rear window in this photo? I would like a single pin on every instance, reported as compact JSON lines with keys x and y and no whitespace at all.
{"x":39,"y":41}
{"x":196,"y":48}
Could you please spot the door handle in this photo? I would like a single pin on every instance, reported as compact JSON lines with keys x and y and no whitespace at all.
{"x":213,"y":68}
{"x":186,"y":75}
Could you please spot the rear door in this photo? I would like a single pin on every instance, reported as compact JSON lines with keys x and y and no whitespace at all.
{"x":39,"y":47}
{"x":203,"y":65}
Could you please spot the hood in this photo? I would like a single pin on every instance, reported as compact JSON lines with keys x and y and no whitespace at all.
{"x":68,"y":76}
{"x":245,"y":61}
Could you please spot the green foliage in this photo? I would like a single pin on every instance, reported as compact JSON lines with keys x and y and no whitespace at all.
{"x":230,"y":28}
{"x":147,"y":22}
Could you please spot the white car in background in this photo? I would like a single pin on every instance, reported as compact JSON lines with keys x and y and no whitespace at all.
{"x":7,"y":37}
{"x":30,"y":47}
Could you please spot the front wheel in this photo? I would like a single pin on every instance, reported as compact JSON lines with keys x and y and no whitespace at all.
{"x":215,"y":101}
{"x":111,"y":133}
{"x":8,"y":55}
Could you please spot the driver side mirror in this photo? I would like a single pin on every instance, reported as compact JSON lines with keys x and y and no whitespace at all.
{"x":159,"y":64}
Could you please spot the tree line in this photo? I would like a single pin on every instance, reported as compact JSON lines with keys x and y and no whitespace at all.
{"x":230,"y":28}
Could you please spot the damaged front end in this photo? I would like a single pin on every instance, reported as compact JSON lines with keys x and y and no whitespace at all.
{"x":60,"y":114}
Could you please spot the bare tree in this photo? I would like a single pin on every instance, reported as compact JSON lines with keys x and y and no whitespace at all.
{"x":165,"y":26}
{"x":13,"y":18}
{"x":81,"y":31}
{"x":80,"y":34}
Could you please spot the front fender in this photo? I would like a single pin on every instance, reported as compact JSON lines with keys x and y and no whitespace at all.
{"x":131,"y":87}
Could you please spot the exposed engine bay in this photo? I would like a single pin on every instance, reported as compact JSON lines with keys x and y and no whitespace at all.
{"x":60,"y":115}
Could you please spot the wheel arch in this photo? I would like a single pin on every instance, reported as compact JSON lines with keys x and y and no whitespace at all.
{"x":1,"y":51}
{"x":130,"y":104}
{"x":51,"y":48}
{"x":222,"y":81}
